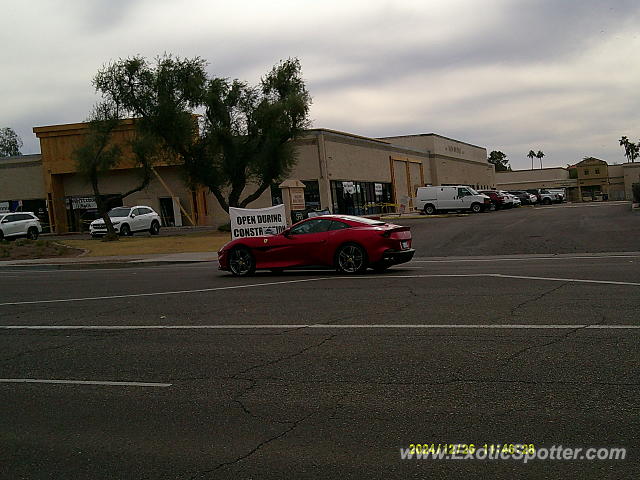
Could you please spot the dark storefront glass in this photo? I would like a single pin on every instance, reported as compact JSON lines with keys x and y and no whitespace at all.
{"x":360,"y":198}
{"x":81,"y":211}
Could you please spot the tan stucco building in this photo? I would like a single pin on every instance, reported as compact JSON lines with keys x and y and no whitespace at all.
{"x":588,"y":180}
{"x":343,"y":172}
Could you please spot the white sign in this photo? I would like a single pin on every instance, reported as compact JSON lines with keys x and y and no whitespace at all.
{"x":255,"y":222}
{"x":348,"y":187}
{"x":85,"y":203}
{"x":378,"y":187}
{"x":4,"y":207}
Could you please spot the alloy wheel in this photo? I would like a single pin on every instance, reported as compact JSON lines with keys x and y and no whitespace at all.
{"x":351,"y":259}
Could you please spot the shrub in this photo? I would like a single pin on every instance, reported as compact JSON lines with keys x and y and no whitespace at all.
{"x":636,"y":192}
{"x":225,"y":228}
{"x":22,"y":242}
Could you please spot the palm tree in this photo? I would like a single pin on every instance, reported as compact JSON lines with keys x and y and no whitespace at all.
{"x":539,"y":155}
{"x":631,"y":150}
{"x":634,"y":151}
{"x":531,"y":155}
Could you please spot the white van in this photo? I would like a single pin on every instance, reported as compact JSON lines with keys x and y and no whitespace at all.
{"x":460,"y":197}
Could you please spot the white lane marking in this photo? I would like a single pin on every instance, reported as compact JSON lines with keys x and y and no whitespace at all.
{"x":153,"y":294}
{"x":85,"y":382}
{"x":366,"y":277}
{"x":319,"y":326}
{"x":521,"y":259}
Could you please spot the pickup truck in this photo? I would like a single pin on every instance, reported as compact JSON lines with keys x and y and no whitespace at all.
{"x":545,"y":197}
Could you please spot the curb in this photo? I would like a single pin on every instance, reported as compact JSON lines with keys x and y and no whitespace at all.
{"x":98,"y":266}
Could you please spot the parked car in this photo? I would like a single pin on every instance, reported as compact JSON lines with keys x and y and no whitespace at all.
{"x":545,"y":197}
{"x":128,"y":220}
{"x":19,"y":224}
{"x":511,"y":200}
{"x":560,"y":192}
{"x":350,"y":244}
{"x":431,"y":200}
{"x":526,"y":198}
{"x":497,"y":199}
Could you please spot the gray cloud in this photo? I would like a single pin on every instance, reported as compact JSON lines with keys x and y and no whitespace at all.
{"x":509,"y":75}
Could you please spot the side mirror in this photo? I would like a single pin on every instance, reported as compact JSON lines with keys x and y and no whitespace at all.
{"x":286,"y":233}
{"x":132,"y":215}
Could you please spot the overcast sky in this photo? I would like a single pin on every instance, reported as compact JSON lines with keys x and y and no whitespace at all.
{"x":560,"y":76}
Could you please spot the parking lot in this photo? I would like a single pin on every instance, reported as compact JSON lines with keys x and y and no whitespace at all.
{"x":185,"y":372}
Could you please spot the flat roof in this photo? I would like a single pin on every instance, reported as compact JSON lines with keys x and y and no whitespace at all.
{"x":432,"y":135}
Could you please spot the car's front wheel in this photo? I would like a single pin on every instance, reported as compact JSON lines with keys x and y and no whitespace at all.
{"x":241,"y":262}
{"x":32,"y":233}
{"x":351,"y":258}
{"x":476,"y":208}
{"x":125,"y":231}
{"x":155,"y":228}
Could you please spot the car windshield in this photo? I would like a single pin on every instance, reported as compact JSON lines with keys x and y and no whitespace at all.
{"x":119,"y":212}
{"x":473,"y":192}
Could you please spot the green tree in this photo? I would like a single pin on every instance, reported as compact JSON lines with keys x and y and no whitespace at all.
{"x":244,"y":136}
{"x":99,"y":154}
{"x":531,"y":155}
{"x":500,"y":160}
{"x":10,"y":142}
{"x":539,"y":156}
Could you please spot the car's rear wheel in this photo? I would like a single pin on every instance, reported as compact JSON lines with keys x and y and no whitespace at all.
{"x":546,"y":201}
{"x":241,"y":262}
{"x":429,"y":209}
{"x":351,"y":258}
{"x":125,"y":231}
{"x":32,"y":233}
{"x":155,"y":228}
{"x":476,"y":208}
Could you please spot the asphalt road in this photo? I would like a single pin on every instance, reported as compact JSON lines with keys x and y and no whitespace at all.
{"x":566,"y":228}
{"x":315,"y":375}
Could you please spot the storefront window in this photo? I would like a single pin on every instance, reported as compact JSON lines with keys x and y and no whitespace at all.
{"x":361,"y":198}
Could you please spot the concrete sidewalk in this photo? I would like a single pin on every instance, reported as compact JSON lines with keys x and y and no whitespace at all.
{"x":120,"y":260}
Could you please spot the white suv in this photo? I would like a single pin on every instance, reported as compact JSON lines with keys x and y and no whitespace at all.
{"x":19,"y":224}
{"x":128,"y":220}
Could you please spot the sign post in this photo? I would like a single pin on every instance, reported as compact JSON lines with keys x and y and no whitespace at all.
{"x":293,"y":198}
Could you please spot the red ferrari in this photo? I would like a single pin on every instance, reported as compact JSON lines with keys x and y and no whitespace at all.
{"x":350,"y":244}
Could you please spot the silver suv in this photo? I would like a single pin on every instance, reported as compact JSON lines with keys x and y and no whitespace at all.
{"x":19,"y":224}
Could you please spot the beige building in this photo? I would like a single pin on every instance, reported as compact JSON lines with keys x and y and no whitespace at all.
{"x":451,"y":162}
{"x":342,"y":172}
{"x":591,"y":179}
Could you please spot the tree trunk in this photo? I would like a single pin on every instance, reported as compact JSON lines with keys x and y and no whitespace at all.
{"x":102,"y":210}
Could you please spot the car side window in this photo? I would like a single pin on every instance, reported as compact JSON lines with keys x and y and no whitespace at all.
{"x":335,"y":225}
{"x":135,"y":211}
{"x":24,"y":216}
{"x":9,"y":219}
{"x":144,"y":211}
{"x":312,"y":226}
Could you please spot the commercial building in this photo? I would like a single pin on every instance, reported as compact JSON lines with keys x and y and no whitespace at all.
{"x":591,"y":179}
{"x":342,"y":172}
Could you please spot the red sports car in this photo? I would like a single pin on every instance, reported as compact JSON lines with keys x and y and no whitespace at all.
{"x":350,"y":244}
